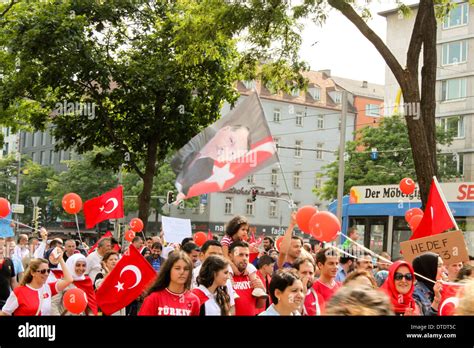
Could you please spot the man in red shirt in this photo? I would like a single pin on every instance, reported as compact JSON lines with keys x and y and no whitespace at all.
{"x":265,"y":270}
{"x":327,"y":260}
{"x":313,"y":302}
{"x":245,"y":304}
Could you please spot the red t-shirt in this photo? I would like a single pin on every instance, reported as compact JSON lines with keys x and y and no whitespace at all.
{"x":325,"y":291}
{"x":267,"y":290}
{"x":246,"y":304}
{"x":25,"y":300}
{"x":167,"y":303}
{"x":313,"y":304}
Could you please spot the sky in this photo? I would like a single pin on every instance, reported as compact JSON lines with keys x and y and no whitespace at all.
{"x":343,"y":49}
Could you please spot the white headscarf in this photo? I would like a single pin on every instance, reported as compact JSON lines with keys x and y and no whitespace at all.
{"x":71,"y":265}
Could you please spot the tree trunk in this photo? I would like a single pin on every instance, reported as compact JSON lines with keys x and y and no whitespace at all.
{"x":148,"y":176}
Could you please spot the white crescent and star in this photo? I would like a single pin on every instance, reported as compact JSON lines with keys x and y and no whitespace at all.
{"x":114,"y":201}
{"x":408,"y":182}
{"x":136,"y":270}
{"x":453,"y":300}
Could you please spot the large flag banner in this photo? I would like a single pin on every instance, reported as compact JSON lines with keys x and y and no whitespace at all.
{"x":130,"y":277}
{"x":107,"y":206}
{"x":437,"y":217}
{"x":237,"y":145}
{"x":106,"y":235}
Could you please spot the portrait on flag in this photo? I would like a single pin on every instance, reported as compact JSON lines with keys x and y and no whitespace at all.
{"x":232,"y":148}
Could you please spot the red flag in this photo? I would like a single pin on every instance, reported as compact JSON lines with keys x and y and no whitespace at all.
{"x":209,"y":234}
{"x":126,"y":282}
{"x":107,"y":206}
{"x":449,"y":299}
{"x":437,"y":216}
{"x":252,"y":238}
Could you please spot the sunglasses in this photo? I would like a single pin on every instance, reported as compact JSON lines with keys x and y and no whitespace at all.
{"x":43,"y":271}
{"x":400,"y":276}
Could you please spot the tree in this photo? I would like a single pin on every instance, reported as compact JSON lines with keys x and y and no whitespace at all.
{"x":394,"y":162}
{"x":151,"y":74}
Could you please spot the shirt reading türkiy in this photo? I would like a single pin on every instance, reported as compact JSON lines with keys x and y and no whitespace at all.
{"x":25,"y":300}
{"x":245,"y":304}
{"x":167,"y":303}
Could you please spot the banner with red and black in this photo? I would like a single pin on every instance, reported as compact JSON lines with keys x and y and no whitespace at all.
{"x":237,"y":145}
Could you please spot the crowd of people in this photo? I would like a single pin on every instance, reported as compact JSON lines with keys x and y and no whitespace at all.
{"x":234,"y":276}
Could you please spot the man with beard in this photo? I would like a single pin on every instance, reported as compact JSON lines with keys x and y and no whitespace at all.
{"x":313,"y":302}
{"x":268,"y":244}
{"x":290,"y":247}
{"x":245,"y":304}
{"x":327,"y":261}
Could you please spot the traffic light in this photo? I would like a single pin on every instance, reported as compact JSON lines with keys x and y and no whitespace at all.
{"x":170,"y":197}
{"x":36,"y":217}
{"x":254,"y":195}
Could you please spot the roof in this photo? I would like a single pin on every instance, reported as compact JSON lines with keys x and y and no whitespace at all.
{"x":386,"y":13}
{"x":355,"y":87}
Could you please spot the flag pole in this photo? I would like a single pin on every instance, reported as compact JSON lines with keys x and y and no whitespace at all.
{"x":78,"y":230}
{"x":292,"y":206}
{"x":443,"y":199}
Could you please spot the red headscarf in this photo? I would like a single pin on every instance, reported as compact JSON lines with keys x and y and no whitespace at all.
{"x":400,"y":302}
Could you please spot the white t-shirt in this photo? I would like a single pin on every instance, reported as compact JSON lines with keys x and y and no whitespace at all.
{"x":230,"y":288}
{"x":211,"y":306}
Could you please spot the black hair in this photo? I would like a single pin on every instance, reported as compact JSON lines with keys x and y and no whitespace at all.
{"x":157,"y":245}
{"x":322,"y":255}
{"x":234,"y":225}
{"x":239,"y":243}
{"x":148,"y":238}
{"x":208,"y":243}
{"x":265,"y":260}
{"x":186,"y":240}
{"x":206,"y":277}
{"x":272,"y":242}
{"x":189,"y":247}
{"x":300,"y":260}
{"x":344,"y":258}
{"x":281,"y":280}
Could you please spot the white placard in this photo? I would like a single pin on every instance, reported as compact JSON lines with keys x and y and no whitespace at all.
{"x":175,"y":229}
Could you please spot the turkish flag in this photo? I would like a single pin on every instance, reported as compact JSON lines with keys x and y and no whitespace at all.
{"x":107,"y":206}
{"x":209,"y":235}
{"x":107,"y":234}
{"x":449,"y":299}
{"x":130,"y":277}
{"x":437,"y":216}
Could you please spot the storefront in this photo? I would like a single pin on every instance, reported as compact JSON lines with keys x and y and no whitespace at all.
{"x":378,"y":213}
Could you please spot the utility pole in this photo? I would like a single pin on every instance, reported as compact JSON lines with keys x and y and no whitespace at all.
{"x":18,"y":178}
{"x":342,"y":147}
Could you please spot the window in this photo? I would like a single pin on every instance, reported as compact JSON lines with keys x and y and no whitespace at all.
{"x":277,"y":144}
{"x":251,"y":179}
{"x":337,"y":97}
{"x":24,"y":137}
{"x":51,"y":156}
{"x":276,"y":115}
{"x":296,"y":180}
{"x":315,"y":93}
{"x":5,"y":149}
{"x":453,"y":89}
{"x":319,"y":151}
{"x":454,"y":52}
{"x":274,"y":178}
{"x":36,"y":136}
{"x":457,"y":16}
{"x":228,"y":205}
{"x":451,"y":164}
{"x":372,"y":110}
{"x":42,"y":158}
{"x":34,"y":156}
{"x":62,"y":156}
{"x":43,"y":138}
{"x":299,"y":118}
{"x":453,"y":124}
{"x":298,"y":144}
{"x":249,"y":207}
{"x":320,"y":122}
{"x":295,"y":92}
{"x":318,"y":183}
{"x":273,"y":209}
{"x":53,"y":139}
{"x":249,"y":84}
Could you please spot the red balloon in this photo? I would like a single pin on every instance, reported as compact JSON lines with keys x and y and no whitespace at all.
{"x":129,"y":235}
{"x":412,"y":212}
{"x":414,"y":222}
{"x":4,"y":207}
{"x":325,"y":226}
{"x":72,"y":203}
{"x":75,"y":300}
{"x":303,"y":216}
{"x":136,"y":225}
{"x":200,"y":238}
{"x":278,"y":243}
{"x":407,"y":186}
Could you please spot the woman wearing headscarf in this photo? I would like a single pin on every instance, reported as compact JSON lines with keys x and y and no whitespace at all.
{"x":399,"y":287}
{"x":76,"y":265}
{"x":427,"y":294}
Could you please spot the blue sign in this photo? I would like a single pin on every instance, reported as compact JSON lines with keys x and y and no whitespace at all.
{"x":203,"y":199}
{"x":374,"y":154}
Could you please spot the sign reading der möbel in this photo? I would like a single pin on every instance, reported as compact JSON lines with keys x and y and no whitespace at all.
{"x":450,"y":246}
